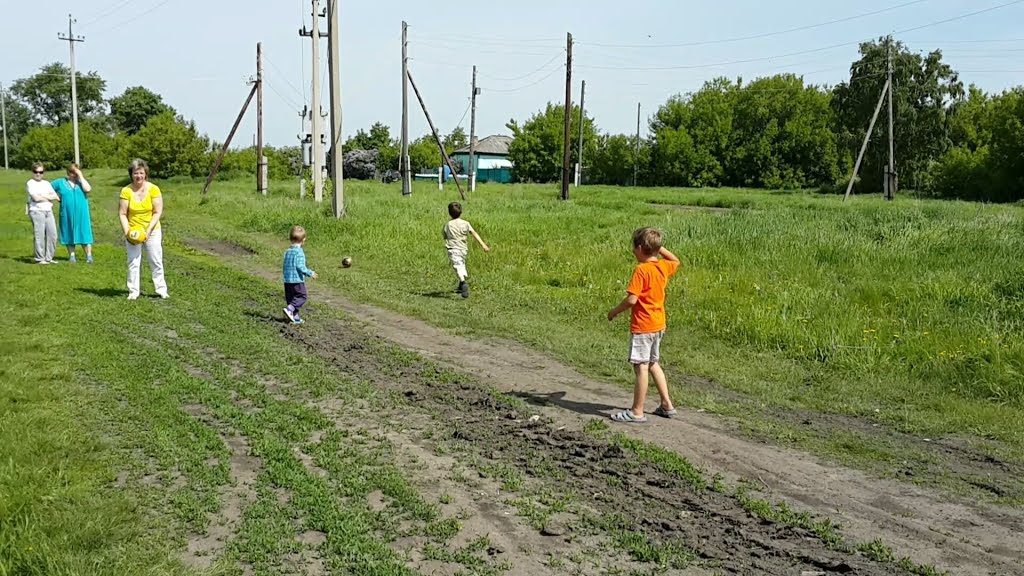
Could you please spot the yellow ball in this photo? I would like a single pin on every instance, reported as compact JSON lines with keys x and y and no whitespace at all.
{"x":137,"y":235}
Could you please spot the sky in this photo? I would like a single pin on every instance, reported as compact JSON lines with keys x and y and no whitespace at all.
{"x":200,"y":54}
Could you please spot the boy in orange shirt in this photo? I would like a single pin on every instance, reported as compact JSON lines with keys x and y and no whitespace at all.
{"x":646,"y":298}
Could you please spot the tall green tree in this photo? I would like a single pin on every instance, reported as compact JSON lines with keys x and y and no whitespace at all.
{"x":455,"y":140}
{"x":615,"y":159}
{"x":172,"y":147}
{"x":925,"y":87}
{"x":379,"y":139}
{"x":131,"y":110}
{"x":537,"y":146}
{"x":54,"y":147}
{"x":47,"y":94}
{"x":423,"y":154}
{"x":692,"y":136}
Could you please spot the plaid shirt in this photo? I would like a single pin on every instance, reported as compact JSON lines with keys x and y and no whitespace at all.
{"x":294,"y":270}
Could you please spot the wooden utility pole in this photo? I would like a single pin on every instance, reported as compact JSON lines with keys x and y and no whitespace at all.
{"x":437,"y":137}
{"x":890,"y":173}
{"x":224,"y":148}
{"x":3,"y":116}
{"x":867,"y":138}
{"x":71,"y":39}
{"x":404,"y":168}
{"x":579,"y":140}
{"x":636,"y":151}
{"x":334,"y":71}
{"x":261,"y":162}
{"x":472,"y":135}
{"x":318,"y":130}
{"x":568,"y":117}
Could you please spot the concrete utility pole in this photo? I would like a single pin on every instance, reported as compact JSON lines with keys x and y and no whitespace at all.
{"x":472,"y":135}
{"x":437,"y":137}
{"x":3,"y":115}
{"x":71,"y":39}
{"x":306,"y":144}
{"x":318,"y":130}
{"x":890,"y":174}
{"x":579,"y":140}
{"x":334,"y":68}
{"x":403,"y":163}
{"x":867,"y":138}
{"x":261,"y":162}
{"x":636,"y":153}
{"x":568,"y":117}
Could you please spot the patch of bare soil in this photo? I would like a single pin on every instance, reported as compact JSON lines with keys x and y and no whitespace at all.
{"x":203,"y":549}
{"x":693,"y":208}
{"x":218,"y":247}
{"x":964,"y":537}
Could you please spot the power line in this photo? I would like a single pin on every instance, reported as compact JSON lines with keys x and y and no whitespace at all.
{"x":134,"y":18}
{"x":286,"y":99}
{"x":810,"y":51}
{"x":531,"y":84}
{"x":462,"y":50}
{"x":492,"y":40}
{"x":284,"y":77}
{"x":558,"y":56}
{"x":106,"y":13}
{"x":757,"y":36}
{"x":302,"y":44}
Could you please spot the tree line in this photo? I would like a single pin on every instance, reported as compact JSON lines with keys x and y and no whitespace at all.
{"x":779,"y":132}
{"x":774,"y":132}
{"x":112,"y":131}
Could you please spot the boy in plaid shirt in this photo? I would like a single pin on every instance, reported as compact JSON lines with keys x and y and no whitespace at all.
{"x":294,"y":274}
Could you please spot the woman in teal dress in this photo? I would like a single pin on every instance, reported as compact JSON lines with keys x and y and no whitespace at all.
{"x":75,"y":221}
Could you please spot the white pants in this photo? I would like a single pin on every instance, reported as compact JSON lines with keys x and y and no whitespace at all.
{"x":155,"y":255}
{"x":457,"y":258}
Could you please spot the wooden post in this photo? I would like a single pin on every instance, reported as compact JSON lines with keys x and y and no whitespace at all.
{"x":867,"y":138}
{"x":566,"y":160}
{"x":403,"y":162}
{"x":261,"y":184}
{"x":224,"y":148}
{"x":437,"y":138}
{"x":472,"y":135}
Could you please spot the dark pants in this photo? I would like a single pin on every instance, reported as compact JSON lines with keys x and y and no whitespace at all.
{"x":295,"y":295}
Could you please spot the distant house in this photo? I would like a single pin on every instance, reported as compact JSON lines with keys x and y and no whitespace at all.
{"x":492,"y":163}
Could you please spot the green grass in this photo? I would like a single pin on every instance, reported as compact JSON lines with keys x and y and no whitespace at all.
{"x":908,"y":313}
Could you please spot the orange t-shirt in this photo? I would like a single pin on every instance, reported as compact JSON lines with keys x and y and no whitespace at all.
{"x":648,"y":285}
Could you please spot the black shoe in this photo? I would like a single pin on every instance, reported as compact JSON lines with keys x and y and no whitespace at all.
{"x":464,"y":289}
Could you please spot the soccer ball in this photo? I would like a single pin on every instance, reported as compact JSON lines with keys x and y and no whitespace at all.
{"x":346,"y":262}
{"x":137,"y":235}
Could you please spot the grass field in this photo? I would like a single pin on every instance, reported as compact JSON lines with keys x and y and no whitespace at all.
{"x":130,"y":434}
{"x":908,"y":313}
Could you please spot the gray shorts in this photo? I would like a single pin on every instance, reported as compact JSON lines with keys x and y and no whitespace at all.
{"x":645,"y":348}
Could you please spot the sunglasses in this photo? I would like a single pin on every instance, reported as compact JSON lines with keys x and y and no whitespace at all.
{"x":37,"y":171}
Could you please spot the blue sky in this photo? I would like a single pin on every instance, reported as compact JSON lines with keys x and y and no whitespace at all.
{"x":199,"y":54}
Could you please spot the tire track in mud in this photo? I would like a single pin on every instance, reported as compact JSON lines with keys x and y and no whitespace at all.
{"x":666,"y":507}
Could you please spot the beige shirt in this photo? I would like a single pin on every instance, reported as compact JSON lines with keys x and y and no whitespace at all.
{"x":456,"y":234}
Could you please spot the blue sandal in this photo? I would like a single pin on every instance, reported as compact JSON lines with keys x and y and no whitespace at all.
{"x":628,"y":416}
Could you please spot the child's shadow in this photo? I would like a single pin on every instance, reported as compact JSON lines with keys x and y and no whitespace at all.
{"x":266,"y":317}
{"x":443,"y":295}
{"x":558,"y":399}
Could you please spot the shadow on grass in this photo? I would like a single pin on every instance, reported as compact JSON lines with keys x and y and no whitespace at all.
{"x":558,"y":399}
{"x":439,"y":294}
{"x":104,"y":292}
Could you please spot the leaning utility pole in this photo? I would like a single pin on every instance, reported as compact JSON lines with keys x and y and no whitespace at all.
{"x":318,"y":131}
{"x":867,"y":138}
{"x":231,"y":135}
{"x":890,"y":173}
{"x":334,"y":70}
{"x":3,"y":115}
{"x":403,"y":163}
{"x":568,"y":117}
{"x":261,"y":162}
{"x":472,"y":135}
{"x":579,"y":140}
{"x":636,"y":153}
{"x":71,"y":39}
{"x":437,"y":136}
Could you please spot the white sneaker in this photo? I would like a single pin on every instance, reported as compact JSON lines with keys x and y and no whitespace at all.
{"x":289,"y":314}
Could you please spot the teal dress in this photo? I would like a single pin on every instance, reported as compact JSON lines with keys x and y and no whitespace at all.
{"x":75,"y":221}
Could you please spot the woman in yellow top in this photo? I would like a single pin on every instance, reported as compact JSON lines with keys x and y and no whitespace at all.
{"x":141,"y":205}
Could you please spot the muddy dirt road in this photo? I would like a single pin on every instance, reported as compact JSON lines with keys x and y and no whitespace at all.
{"x":968,"y":538}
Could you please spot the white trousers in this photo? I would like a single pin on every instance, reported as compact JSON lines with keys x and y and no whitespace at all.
{"x":155,"y":255}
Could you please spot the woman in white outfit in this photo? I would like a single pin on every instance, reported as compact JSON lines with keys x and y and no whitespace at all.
{"x":39,"y":203}
{"x":142,"y":206}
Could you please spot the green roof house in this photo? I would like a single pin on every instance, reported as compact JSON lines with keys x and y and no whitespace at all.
{"x":492,"y":163}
